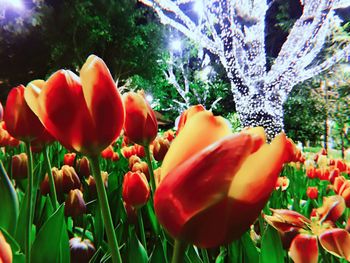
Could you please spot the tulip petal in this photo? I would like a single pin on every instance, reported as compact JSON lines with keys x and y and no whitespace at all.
{"x":332,"y":208}
{"x":304,"y":249}
{"x":187,"y":114}
{"x":287,"y":220}
{"x":258,"y":175}
{"x":31,"y":94}
{"x":209,"y":174}
{"x":191,"y":139}
{"x":337,"y":242}
{"x":63,"y":111}
{"x":102,"y":99}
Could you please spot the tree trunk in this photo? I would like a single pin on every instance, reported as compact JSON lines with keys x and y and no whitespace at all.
{"x":260,"y":109}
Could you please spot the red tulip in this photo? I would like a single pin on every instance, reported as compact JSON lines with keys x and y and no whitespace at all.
{"x":69,"y":159}
{"x":312,"y":192}
{"x":85,"y":114}
{"x":304,"y":249}
{"x":160,"y":148}
{"x":5,"y":138}
{"x":21,"y":121}
{"x":136,"y":190}
{"x":5,"y":250}
{"x":140,"y":124}
{"x":232,"y":176}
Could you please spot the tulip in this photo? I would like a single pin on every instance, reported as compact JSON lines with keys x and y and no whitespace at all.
{"x":141,"y":167}
{"x":1,"y":112}
{"x":187,"y":114}
{"x":65,"y":180}
{"x":74,"y":109}
{"x":74,"y":204}
{"x":83,"y":167}
{"x":312,"y":192}
{"x":135,"y":189}
{"x":160,"y":148}
{"x":282,"y":183}
{"x":92,"y":183}
{"x":132,"y":160}
{"x":21,"y":121}
{"x":19,"y":166}
{"x":304,"y":245}
{"x":81,"y":251}
{"x":140,"y":124}
{"x":232,"y":176}
{"x":5,"y":250}
{"x":342,"y":188}
{"x":5,"y":138}
{"x":69,"y":159}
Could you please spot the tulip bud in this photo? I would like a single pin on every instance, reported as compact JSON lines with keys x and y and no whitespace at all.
{"x":92,"y":184}
{"x":140,"y":124}
{"x":132,"y":160}
{"x":81,"y":251}
{"x":70,"y":179}
{"x":83,"y":166}
{"x":169,"y":135}
{"x":136,"y":190}
{"x":19,"y":166}
{"x":75,"y":204}
{"x":312,"y":192}
{"x":69,"y":159}
{"x":109,"y":153}
{"x":160,"y":148}
{"x":141,"y":167}
{"x":65,"y":180}
{"x":5,"y":250}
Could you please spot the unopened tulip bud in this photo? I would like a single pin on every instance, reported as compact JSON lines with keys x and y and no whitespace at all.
{"x":5,"y":250}
{"x":136,"y":190}
{"x":81,"y":251}
{"x":141,"y":167}
{"x":70,"y":179}
{"x":140,"y":123}
{"x":160,"y":148}
{"x":92,"y":184}
{"x":69,"y":159}
{"x":19,"y":166}
{"x":132,"y":160}
{"x":75,"y":204}
{"x":312,"y":192}
{"x":83,"y":168}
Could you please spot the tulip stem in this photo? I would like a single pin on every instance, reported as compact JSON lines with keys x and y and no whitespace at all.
{"x":30,"y":204}
{"x":141,"y":228}
{"x":150,"y":167}
{"x":179,"y":251}
{"x":106,"y":213}
{"x":53,"y":194}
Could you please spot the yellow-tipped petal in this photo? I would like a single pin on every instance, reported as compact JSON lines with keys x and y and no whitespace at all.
{"x":31,"y":94}
{"x":258,"y":174}
{"x":200,"y":131}
{"x":259,"y":131}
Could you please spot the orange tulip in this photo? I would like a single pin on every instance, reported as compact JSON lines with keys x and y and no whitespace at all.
{"x":21,"y":121}
{"x":187,"y":114}
{"x":141,"y":123}
{"x":232,"y":176}
{"x":5,"y":250}
{"x":69,"y":159}
{"x":74,"y":110}
{"x":19,"y":166}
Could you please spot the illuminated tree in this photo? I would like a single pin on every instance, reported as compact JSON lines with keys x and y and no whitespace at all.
{"x":235,"y":31}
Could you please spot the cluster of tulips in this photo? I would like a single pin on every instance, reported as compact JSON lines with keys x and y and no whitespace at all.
{"x":205,"y":174}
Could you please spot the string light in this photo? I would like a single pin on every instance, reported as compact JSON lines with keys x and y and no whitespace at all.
{"x":235,"y":31}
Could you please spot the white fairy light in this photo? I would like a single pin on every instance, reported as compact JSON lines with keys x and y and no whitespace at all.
{"x":176,"y":45}
{"x":17,"y":4}
{"x":235,"y":31}
{"x":149,"y":98}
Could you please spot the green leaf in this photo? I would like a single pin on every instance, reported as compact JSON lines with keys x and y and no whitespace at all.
{"x":135,"y":252}
{"x":9,"y":202}
{"x":243,"y":250}
{"x":10,"y":240}
{"x":221,"y":257}
{"x":47,"y":245}
{"x":271,"y":247}
{"x":158,"y":253}
{"x":64,"y":245}
{"x":21,"y":224}
{"x":192,"y":255}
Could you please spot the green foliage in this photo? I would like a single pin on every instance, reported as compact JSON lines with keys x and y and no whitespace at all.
{"x":304,"y":115}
